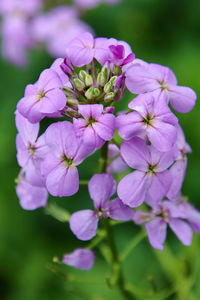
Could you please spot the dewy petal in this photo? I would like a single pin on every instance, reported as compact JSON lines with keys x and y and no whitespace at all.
{"x":182,"y":230}
{"x":63,"y":181}
{"x":182,"y":98}
{"x":178,"y":173}
{"x":135,"y":153}
{"x":101,"y":188}
{"x":132,"y":188}
{"x":105,"y":126}
{"x":140,"y":80}
{"x":82,"y":259}
{"x":118,"y":211}
{"x":160,"y":185}
{"x":83,"y":224}
{"x":129,"y":125}
{"x":156,"y":231}
{"x":31,"y":197}
{"x":162,"y":135}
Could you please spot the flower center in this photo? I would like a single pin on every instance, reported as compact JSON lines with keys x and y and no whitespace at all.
{"x":151,"y":168}
{"x":67,"y":161}
{"x":31,"y":150}
{"x":148,"y":120}
{"x":90,"y":121}
{"x":41,"y":95}
{"x":163,"y":85}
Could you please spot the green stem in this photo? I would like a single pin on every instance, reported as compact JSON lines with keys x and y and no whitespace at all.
{"x":117,"y":278}
{"x":132,"y":244}
{"x":83,"y":182}
{"x":57,"y":212}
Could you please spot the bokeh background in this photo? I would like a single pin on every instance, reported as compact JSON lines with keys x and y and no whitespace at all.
{"x":165,"y":32}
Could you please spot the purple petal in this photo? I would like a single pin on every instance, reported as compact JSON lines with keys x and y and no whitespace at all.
{"x":91,"y":110}
{"x":156,"y":231}
{"x":163,"y":73}
{"x":182,"y":98}
{"x":82,"y":259}
{"x":182,"y":230}
{"x":140,"y":80}
{"x":105,"y":126}
{"x":63,"y":181}
{"x":135,"y":153}
{"x":116,"y":166}
{"x":48,"y":80}
{"x":162,"y":135}
{"x":160,"y":185}
{"x":54,"y":101}
{"x":132,"y":188}
{"x":31,"y":197}
{"x":162,"y":160}
{"x":22,"y":151}
{"x":83,"y":224}
{"x":29,"y":108}
{"x":129,"y":125}
{"x":178,"y":173}
{"x":27,"y":130}
{"x":101,"y":188}
{"x":118,"y":211}
{"x":92,"y":139}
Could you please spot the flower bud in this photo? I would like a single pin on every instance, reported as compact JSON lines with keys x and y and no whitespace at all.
{"x":109,"y":97}
{"x":107,"y":87}
{"x":113,"y":80}
{"x":101,"y":79}
{"x":88,"y":80}
{"x":72,"y":101}
{"x":82,"y":74}
{"x":66,"y":67}
{"x":79,"y":85}
{"x":92,"y":93}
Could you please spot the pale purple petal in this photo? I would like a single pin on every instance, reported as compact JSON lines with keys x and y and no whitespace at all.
{"x":63,"y":181}
{"x":91,"y":110}
{"x":160,"y":185}
{"x":22,"y":151}
{"x":53,"y":101}
{"x":118,"y":211}
{"x":182,"y":98}
{"x":105,"y":126}
{"x":101,"y":188}
{"x":31,"y":197}
{"x":27,"y":130}
{"x":84,"y":224}
{"x":48,"y":80}
{"x":135,"y":153}
{"x":80,"y":258}
{"x":132,"y":188}
{"x":156,"y":231}
{"x":163,"y":73}
{"x":182,"y":230}
{"x":178,"y":173}
{"x":29,"y":108}
{"x":129,"y":125}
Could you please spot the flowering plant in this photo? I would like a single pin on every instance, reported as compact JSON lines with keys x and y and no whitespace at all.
{"x":145,"y":143}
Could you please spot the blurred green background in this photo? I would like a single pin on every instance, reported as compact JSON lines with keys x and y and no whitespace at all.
{"x":160,"y":31}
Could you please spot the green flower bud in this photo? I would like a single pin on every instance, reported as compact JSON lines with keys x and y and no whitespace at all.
{"x":109,"y":97}
{"x":117,"y":69}
{"x":92,"y":93}
{"x":88,"y":80}
{"x":79,"y":85}
{"x":108,"y":87}
{"x":82,"y":74}
{"x":101,"y":79}
{"x":72,"y":101}
{"x":113,"y":80}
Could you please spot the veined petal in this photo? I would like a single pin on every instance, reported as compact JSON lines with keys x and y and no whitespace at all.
{"x":156,"y":231}
{"x":83,"y":224}
{"x":118,"y":211}
{"x":182,"y":230}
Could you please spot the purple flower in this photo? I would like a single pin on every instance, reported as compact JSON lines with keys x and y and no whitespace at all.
{"x":116,"y":163}
{"x":142,"y":78}
{"x":30,"y":197}
{"x":118,"y":55}
{"x":101,"y":187}
{"x":65,"y":152}
{"x":96,"y":127}
{"x":151,"y":117}
{"x":84,"y":48}
{"x":80,"y":258}
{"x":43,"y":98}
{"x":151,"y":180}
{"x":179,"y":167}
{"x":156,"y":224}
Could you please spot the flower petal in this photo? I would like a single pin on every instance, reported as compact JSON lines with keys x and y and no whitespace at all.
{"x":182,"y":98}
{"x":156,"y":231}
{"x":82,"y":259}
{"x":118,"y":211}
{"x":182,"y":230}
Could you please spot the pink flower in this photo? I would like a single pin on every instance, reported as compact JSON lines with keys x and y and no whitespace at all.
{"x":80,"y":258}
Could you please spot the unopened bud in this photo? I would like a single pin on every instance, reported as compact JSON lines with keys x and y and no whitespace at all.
{"x":88,"y":80}
{"x":79,"y":85}
{"x":113,"y":80}
{"x":117,"y":69}
{"x":107,"y":87}
{"x":101,"y":79}
{"x":92,"y":93}
{"x":106,"y":70}
{"x":72,"y":101}
{"x":109,"y":97}
{"x":82,"y":74}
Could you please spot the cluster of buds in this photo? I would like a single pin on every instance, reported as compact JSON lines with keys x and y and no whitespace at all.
{"x":84,"y":88}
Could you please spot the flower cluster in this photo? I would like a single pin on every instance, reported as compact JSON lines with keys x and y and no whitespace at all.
{"x":82,"y":90}
{"x":26,"y":26}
